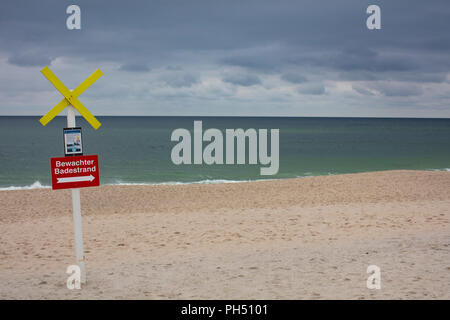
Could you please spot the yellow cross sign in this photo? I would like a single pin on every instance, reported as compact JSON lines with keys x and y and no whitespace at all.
{"x":71,"y":97}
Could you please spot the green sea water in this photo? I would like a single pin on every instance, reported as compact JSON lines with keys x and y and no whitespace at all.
{"x":137,"y":149}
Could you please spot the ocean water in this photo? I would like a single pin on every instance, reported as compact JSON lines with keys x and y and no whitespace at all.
{"x":137,"y":149}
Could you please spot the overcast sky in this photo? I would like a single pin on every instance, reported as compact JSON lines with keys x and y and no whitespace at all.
{"x":225,"y":57}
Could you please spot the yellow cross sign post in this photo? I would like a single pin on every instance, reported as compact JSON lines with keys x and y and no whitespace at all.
{"x":71,"y":97}
{"x":71,"y":101}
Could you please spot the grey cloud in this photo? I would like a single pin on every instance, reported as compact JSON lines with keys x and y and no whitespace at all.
{"x":174,"y":68}
{"x":30,"y":59}
{"x":396,"y":89}
{"x":312,"y":88}
{"x":231,"y":32}
{"x":360,"y":75}
{"x":368,"y":63}
{"x":359,"y":61}
{"x":419,"y":77}
{"x":134,"y":67}
{"x":362,"y":90}
{"x":413,"y":76}
{"x":258,"y":62}
{"x":177,"y":80}
{"x":373,"y":63}
{"x":325,"y":39}
{"x":293,"y":77}
{"x":241,"y":79}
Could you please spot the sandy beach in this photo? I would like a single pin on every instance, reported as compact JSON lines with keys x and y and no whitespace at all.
{"x":304,"y":238}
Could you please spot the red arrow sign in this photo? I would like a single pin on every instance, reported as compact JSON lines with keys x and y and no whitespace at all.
{"x":74,"y":172}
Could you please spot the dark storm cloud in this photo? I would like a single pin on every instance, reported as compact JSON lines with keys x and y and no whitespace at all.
{"x":240,"y":79}
{"x":330,"y":34}
{"x":245,"y":41}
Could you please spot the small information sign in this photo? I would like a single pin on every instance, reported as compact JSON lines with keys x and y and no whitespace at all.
{"x":73,"y":145}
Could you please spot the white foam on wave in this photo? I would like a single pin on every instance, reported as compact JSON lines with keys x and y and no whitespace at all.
{"x":38,"y":185}
{"x":174,"y":183}
{"x":35,"y":185}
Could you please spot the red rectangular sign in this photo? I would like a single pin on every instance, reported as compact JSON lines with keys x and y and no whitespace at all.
{"x":74,"y":172}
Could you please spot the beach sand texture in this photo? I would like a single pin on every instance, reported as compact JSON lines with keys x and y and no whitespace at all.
{"x":305,"y":238}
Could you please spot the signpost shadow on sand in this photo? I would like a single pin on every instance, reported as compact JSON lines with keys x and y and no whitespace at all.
{"x":75,"y":170}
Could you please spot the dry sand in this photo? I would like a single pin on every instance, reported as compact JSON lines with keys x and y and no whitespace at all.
{"x":306,"y":238}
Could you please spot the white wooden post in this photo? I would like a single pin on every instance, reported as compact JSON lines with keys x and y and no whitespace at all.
{"x":76,"y":204}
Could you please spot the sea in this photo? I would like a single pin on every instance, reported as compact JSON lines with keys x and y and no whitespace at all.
{"x":137,"y":150}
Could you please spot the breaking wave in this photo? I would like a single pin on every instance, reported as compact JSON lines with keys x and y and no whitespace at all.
{"x":35,"y":185}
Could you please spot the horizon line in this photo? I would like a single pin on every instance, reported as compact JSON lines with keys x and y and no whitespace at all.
{"x":246,"y":116}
